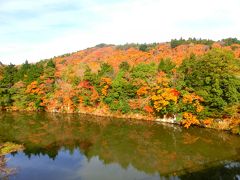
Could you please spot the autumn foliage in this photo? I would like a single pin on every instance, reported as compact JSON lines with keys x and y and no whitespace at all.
{"x":151,"y":80}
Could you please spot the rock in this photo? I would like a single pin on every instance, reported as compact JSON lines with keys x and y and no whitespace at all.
{"x":165,"y":119}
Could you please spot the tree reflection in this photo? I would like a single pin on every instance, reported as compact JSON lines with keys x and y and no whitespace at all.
{"x":147,"y":146}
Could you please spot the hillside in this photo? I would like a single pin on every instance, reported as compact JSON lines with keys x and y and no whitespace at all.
{"x":130,"y":53}
{"x":192,"y":81}
{"x":114,"y":55}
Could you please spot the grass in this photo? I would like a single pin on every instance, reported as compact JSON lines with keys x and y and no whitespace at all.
{"x":9,"y":147}
{"x":6,"y":148}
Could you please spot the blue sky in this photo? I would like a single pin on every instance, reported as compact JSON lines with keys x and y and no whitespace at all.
{"x":35,"y":30}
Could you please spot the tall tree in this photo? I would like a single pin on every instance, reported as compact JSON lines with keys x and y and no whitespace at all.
{"x":211,"y":77}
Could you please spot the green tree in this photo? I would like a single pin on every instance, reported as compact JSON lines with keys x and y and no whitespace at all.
{"x":23,"y":71}
{"x":50,"y":63}
{"x":34,"y":72}
{"x":124,"y":66}
{"x":144,"y":71}
{"x":120,"y":92}
{"x":211,"y":77}
{"x":143,"y":47}
{"x":176,"y":42}
{"x":230,"y":41}
{"x":106,"y":70}
{"x":5,"y":98}
{"x":166,"y":65}
{"x":90,"y":76}
{"x":9,"y":76}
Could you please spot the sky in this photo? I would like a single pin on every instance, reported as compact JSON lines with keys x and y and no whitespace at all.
{"x":38,"y":29}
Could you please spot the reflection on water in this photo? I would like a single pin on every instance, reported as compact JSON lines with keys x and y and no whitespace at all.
{"x":60,"y":146}
{"x":74,"y":166}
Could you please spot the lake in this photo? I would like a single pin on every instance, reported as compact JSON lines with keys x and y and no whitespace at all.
{"x":76,"y":146}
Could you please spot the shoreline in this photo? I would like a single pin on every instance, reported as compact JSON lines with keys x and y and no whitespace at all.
{"x":217,"y":125}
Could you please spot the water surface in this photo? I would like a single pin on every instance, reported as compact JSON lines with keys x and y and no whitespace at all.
{"x":71,"y":147}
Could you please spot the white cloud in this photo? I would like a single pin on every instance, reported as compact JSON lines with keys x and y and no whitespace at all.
{"x":120,"y":22}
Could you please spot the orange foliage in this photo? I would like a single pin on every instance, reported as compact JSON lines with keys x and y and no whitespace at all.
{"x":148,"y":109}
{"x":34,"y":88}
{"x":189,"y":119}
{"x":162,"y":94}
{"x":208,"y":121}
{"x":163,"y":81}
{"x":163,"y":97}
{"x":136,"y":103}
{"x":193,"y":99}
{"x":199,"y":107}
{"x":189,"y":98}
{"x":114,"y":56}
{"x":143,"y":91}
{"x":106,"y":82}
{"x":94,"y":96}
{"x":85,"y":84}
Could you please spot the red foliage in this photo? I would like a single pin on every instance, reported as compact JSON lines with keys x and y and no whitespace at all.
{"x":85,"y":84}
{"x":175,"y":92}
{"x":148,"y":109}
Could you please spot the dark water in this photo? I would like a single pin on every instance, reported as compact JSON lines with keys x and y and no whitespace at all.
{"x":71,"y":147}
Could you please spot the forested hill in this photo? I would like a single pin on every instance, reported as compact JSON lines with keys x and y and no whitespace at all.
{"x":194,"y":80}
